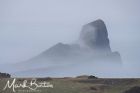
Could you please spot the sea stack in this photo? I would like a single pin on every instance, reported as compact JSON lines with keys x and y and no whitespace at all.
{"x":93,"y":51}
{"x":94,"y":35}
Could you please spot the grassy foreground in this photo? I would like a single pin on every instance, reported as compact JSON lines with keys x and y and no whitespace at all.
{"x":75,"y":85}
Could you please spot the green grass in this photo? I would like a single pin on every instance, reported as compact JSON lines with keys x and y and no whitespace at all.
{"x":81,"y":85}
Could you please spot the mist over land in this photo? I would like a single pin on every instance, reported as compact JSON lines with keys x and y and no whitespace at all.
{"x":28,"y":31}
{"x":91,"y":54}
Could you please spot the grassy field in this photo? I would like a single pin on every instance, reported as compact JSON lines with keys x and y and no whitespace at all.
{"x":75,"y":85}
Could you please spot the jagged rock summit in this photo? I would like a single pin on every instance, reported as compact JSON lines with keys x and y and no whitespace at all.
{"x":94,"y":35}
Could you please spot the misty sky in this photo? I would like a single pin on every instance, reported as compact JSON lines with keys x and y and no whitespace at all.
{"x":28,"y":27}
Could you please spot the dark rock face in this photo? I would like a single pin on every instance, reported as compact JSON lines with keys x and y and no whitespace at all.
{"x":4,"y":75}
{"x":92,"y":77}
{"x":95,"y":36}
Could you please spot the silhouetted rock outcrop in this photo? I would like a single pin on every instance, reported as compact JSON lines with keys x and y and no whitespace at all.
{"x":94,"y":35}
{"x":4,"y":75}
{"x":92,"y":77}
